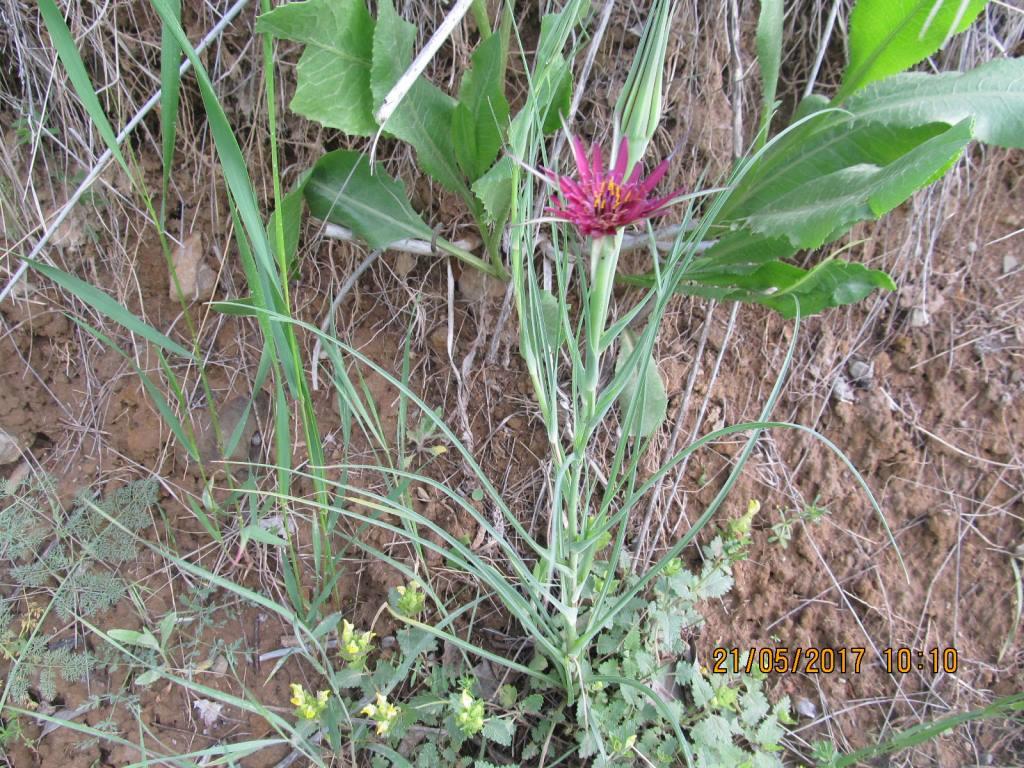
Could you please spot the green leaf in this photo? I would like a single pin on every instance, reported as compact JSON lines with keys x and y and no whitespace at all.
{"x":495,"y":189}
{"x":334,"y":70}
{"x":144,"y":639}
{"x":782,"y":286}
{"x":148,"y":678}
{"x":644,"y":383}
{"x":260,"y":534}
{"x":499,"y":730}
{"x":393,"y":41}
{"x":769,"y":54}
{"x":343,"y":189}
{"x":992,"y":94}
{"x":481,"y":116}
{"x":108,"y":307}
{"x":817,"y":211}
{"x":424,"y":116}
{"x":67,"y":51}
{"x":889,"y":36}
{"x":292,"y":206}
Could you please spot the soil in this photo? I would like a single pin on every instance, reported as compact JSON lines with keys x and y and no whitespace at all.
{"x":921,"y":391}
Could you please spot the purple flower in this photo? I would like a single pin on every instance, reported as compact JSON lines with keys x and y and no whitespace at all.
{"x":600,"y":202}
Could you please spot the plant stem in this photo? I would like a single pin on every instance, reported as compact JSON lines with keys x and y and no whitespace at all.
{"x":483,"y":23}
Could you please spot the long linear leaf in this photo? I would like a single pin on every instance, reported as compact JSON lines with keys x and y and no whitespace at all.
{"x":63,"y":42}
{"x":769,"y":55}
{"x":107,"y":306}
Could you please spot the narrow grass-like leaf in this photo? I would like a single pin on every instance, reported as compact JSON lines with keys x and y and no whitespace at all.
{"x":109,"y":308}
{"x":63,"y":42}
{"x":170,"y":92}
{"x":769,"y":57}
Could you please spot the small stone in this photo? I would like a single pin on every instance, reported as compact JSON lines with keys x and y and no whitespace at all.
{"x":197,"y":279}
{"x":476,"y":285}
{"x":860,"y":371}
{"x":10,"y":451}
{"x":70,"y":233}
{"x":1010,"y":263}
{"x":404,"y":263}
{"x":806,"y":708}
{"x":842,"y":391}
{"x":919,"y":317}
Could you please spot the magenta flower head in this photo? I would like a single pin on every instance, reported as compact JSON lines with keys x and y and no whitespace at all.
{"x":601,"y":202}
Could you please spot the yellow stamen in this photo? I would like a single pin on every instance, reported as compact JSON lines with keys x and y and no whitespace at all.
{"x":608,"y":188}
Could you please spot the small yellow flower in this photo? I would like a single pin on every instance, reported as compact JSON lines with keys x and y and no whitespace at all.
{"x":410,"y":599}
{"x":306,"y":706}
{"x":354,"y":646}
{"x":382,"y":712}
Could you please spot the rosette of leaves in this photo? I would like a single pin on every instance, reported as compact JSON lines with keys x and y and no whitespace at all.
{"x":350,"y":63}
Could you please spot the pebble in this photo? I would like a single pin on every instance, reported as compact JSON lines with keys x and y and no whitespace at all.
{"x":10,"y":451}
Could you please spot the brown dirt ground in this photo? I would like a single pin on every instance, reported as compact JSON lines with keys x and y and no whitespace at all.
{"x":935,"y":431}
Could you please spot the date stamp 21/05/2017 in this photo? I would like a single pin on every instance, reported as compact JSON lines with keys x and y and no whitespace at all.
{"x":825,"y":661}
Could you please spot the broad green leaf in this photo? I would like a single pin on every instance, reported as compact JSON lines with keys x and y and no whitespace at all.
{"x":769,"y":54}
{"x":500,"y":730}
{"x":334,"y":70}
{"x":481,"y":116}
{"x":782,"y":286}
{"x":739,"y":252}
{"x":145,"y":638}
{"x":993,"y":94}
{"x":820,"y":210}
{"x":495,"y":189}
{"x":645,"y":385}
{"x":424,"y":117}
{"x":890,"y":36}
{"x":798,"y":160}
{"x":555,"y":95}
{"x":343,"y":189}
{"x":393,"y":41}
{"x":109,"y":307}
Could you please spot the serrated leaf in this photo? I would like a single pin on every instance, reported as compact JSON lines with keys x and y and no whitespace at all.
{"x":811,"y":214}
{"x":334,"y":70}
{"x":753,"y":706}
{"x":532,"y":703}
{"x":645,"y":387}
{"x":499,"y":730}
{"x":890,"y":36}
{"x":992,"y":94}
{"x":342,"y":189}
{"x":495,"y":189}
